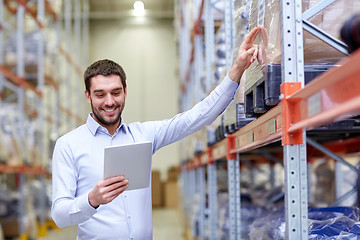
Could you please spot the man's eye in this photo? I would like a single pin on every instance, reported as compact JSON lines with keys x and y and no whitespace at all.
{"x":99,"y":95}
{"x":116,"y":93}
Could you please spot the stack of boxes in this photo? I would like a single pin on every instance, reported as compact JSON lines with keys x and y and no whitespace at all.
{"x":171,"y":197}
{"x":165,"y":194}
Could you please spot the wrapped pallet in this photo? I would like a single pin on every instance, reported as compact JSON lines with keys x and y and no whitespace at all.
{"x":263,"y":77}
{"x":234,"y":116}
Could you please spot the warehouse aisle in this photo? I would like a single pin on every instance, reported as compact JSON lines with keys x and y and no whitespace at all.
{"x":167,"y":225}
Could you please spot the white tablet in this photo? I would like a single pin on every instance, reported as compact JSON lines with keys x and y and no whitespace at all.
{"x":133,"y":161}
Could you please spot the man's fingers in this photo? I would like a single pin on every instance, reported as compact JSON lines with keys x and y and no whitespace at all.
{"x":111,"y":180}
{"x":250,"y":38}
{"x":250,"y":54}
{"x":116,"y":185}
{"x":255,"y":53}
{"x":116,"y":192}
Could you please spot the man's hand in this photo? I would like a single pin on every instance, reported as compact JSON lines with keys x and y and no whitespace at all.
{"x":107,"y":190}
{"x":247,"y":53}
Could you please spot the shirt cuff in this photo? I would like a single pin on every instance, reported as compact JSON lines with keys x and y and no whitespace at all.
{"x":85,"y":207}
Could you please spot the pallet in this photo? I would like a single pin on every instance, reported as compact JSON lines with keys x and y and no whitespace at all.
{"x":264,"y":94}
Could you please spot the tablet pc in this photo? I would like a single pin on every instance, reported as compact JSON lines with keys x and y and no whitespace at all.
{"x":133,"y":161}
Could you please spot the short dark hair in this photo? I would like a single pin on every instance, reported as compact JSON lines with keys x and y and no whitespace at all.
{"x":103,"y":67}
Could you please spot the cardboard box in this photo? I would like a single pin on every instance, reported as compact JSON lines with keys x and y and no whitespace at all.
{"x":10,"y":228}
{"x":172,"y":174}
{"x":156,"y":189}
{"x":171,"y":194}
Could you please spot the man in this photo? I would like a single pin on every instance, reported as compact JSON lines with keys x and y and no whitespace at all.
{"x":100,"y":206}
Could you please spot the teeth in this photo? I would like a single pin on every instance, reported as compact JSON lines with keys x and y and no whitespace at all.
{"x":109,"y":110}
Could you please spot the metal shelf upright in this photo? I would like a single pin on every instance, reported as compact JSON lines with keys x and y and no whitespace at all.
{"x":39,"y":101}
{"x":331,"y":97}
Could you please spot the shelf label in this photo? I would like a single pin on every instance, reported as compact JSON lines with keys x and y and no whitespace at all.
{"x":314,"y":104}
{"x":251,"y":136}
{"x":272,"y":126}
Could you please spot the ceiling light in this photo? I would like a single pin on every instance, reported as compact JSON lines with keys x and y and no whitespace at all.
{"x":139,"y":8}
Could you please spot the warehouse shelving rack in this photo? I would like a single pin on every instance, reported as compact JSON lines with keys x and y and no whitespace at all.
{"x":46,"y":108}
{"x":332,"y":97}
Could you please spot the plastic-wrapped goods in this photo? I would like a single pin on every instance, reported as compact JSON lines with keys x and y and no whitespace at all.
{"x":223,"y":215}
{"x":195,"y":215}
{"x":10,"y":215}
{"x":11,"y":130}
{"x":220,"y":55}
{"x":269,"y":227}
{"x":8,"y":205}
{"x":329,"y":20}
{"x":39,"y":192}
{"x":324,"y":190}
{"x":4,"y":152}
{"x":31,"y":40}
{"x":234,"y":116}
{"x":241,"y":22}
{"x":318,"y":56}
{"x":335,"y":223}
{"x":249,"y":213}
{"x":9,"y":124}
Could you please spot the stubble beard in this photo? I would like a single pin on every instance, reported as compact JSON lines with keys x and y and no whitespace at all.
{"x":104,"y":122}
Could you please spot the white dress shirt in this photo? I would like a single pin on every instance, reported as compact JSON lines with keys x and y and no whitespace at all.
{"x":78,"y":164}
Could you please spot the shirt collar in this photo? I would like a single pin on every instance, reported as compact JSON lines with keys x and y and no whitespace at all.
{"x":94,"y":126}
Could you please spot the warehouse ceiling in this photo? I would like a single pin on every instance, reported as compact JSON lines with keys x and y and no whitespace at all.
{"x":116,"y":9}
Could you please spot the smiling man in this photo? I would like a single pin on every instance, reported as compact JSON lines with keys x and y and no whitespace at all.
{"x":100,"y":207}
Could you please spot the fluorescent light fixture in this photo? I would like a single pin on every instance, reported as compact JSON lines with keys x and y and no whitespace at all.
{"x":139,"y":9}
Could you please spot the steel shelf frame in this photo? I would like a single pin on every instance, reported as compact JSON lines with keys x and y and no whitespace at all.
{"x":333,"y":96}
{"x":17,"y":83}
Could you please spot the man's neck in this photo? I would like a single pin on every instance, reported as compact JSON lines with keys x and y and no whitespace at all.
{"x":110,"y":128}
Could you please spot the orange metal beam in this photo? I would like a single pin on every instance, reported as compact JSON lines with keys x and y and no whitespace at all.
{"x":350,"y":145}
{"x":21,"y":82}
{"x":49,"y":8}
{"x":333,"y":96}
{"x":31,"y":13}
{"x":50,"y":82}
{"x":264,"y":130}
{"x":9,"y":7}
{"x":219,"y":150}
{"x":35,"y":170}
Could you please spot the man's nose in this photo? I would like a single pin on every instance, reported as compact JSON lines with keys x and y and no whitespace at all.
{"x":109,"y":100}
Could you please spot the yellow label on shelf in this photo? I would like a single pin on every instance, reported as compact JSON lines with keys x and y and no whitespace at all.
{"x":251,"y":136}
{"x":272,"y":126}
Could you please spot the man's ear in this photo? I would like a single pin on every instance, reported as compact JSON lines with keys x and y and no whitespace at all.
{"x":125,"y":92}
{"x":87,"y":95}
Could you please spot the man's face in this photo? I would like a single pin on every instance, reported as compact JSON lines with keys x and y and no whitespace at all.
{"x":107,"y":98}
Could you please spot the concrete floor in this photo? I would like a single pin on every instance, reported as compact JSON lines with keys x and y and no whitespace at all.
{"x":167,"y":224}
